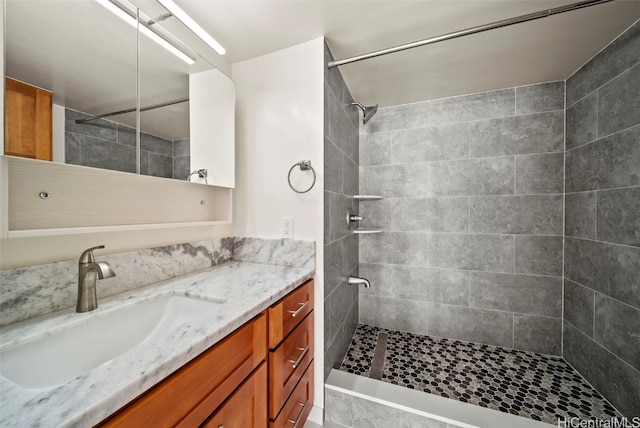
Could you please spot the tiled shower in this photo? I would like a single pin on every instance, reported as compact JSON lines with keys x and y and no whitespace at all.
{"x":472,"y":217}
{"x":511,"y":219}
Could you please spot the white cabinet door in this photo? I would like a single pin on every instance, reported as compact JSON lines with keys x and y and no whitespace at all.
{"x":212,"y":127}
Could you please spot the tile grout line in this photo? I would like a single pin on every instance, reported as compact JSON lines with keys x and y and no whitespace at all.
{"x":469,"y":288}
{"x":593,"y":327}
{"x":595,"y":217}
{"x":564,"y":218}
{"x":604,"y":137}
{"x":624,"y":362}
{"x":514,"y":254}
{"x":515,"y":161}
{"x":598,"y":113}
{"x":513,"y":330}
{"x":479,"y":158}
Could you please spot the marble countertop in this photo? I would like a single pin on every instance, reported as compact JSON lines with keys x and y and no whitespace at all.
{"x":248,"y":288}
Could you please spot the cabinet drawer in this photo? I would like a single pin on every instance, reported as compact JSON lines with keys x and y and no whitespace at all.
{"x":298,"y":406}
{"x":247,"y":406}
{"x":288,"y":362}
{"x":189,"y":395}
{"x":285,"y":315}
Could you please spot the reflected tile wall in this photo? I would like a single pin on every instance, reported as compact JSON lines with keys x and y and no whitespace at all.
{"x":473,"y":217}
{"x":341,"y":183}
{"x":602,"y":224}
{"x":181,"y":159}
{"x":108,"y":145}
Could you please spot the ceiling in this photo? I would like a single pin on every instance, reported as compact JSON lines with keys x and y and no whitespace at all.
{"x":545,"y":50}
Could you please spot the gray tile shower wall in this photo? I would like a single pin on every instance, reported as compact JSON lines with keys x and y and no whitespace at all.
{"x":341,"y":159}
{"x":473,"y":217}
{"x":602,"y":222}
{"x":108,"y":145}
{"x":181,"y":159}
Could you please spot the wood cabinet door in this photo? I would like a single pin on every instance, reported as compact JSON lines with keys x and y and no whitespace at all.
{"x":247,"y":406}
{"x":28,"y":121}
{"x":191,"y":394}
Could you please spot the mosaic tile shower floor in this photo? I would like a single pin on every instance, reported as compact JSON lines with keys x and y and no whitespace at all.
{"x":535,"y":386}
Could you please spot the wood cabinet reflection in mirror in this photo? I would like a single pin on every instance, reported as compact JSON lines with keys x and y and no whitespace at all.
{"x":28,"y":121}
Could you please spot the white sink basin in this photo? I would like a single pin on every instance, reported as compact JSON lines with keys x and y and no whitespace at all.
{"x":57,"y":358}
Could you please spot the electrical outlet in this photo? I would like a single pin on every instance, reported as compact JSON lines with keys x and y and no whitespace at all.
{"x":286,"y":227}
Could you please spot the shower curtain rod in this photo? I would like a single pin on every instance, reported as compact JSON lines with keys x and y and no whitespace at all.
{"x":473,"y":30}
{"x":131,"y":110}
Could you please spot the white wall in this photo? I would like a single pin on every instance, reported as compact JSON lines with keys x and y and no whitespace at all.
{"x":280,"y":121}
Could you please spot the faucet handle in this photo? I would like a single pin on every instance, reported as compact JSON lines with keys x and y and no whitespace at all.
{"x":87,"y":255}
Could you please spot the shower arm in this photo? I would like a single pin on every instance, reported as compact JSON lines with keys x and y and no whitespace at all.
{"x":473,"y":30}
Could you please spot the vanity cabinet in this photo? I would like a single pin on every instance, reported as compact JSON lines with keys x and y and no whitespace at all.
{"x":291,"y":348}
{"x":246,"y":408}
{"x":259,"y":376}
{"x":219,"y":383}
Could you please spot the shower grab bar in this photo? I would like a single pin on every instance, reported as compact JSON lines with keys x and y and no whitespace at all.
{"x":473,"y":30}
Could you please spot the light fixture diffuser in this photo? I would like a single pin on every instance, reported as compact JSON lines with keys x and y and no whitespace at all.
{"x":183,"y":17}
{"x":130,"y":19}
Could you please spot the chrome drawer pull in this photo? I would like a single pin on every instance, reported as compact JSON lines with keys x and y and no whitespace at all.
{"x":296,"y":312}
{"x":297,"y":421}
{"x":299,"y":359}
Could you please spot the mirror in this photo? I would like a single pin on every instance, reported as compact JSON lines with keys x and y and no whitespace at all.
{"x":87,"y":57}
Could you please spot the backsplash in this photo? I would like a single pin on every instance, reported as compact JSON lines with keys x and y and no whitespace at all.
{"x":34,"y":291}
{"x":283,"y":252}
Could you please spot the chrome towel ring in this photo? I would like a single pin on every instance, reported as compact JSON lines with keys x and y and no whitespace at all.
{"x":202,"y":173}
{"x":305,"y":165}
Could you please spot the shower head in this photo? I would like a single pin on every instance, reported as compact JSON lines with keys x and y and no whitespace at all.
{"x":367,"y":112}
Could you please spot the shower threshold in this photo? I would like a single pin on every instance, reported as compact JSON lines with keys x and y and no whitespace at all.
{"x":539,"y":387}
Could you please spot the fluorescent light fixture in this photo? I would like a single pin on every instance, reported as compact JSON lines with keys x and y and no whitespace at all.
{"x":130,"y":19}
{"x":165,"y":44}
{"x":183,"y":17}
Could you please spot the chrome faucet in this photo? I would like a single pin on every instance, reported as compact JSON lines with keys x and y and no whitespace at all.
{"x":354,"y":280}
{"x":89,"y":271}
